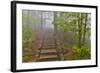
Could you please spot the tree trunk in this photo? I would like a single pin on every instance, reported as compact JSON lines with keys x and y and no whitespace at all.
{"x":80,"y":30}
{"x":84,"y":32}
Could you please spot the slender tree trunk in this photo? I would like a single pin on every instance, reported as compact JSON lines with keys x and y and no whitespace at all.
{"x":84,"y":32}
{"x":55,"y":25}
{"x":55,"y":29}
{"x":41,"y":20}
{"x":80,"y":30}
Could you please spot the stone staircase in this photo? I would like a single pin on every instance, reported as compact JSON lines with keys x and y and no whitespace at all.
{"x":48,"y":54}
{"x":48,"y":51}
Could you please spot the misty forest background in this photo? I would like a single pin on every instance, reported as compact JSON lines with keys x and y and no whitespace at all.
{"x":55,"y":36}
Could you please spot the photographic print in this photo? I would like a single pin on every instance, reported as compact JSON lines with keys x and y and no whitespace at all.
{"x":53,"y":36}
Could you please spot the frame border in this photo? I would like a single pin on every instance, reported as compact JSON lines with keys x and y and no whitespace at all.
{"x":13,"y":35}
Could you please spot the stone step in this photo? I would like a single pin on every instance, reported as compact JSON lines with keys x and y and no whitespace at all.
{"x":49,"y":44}
{"x":48,"y":47}
{"x":48,"y":41}
{"x":48,"y":51}
{"x":48,"y":58}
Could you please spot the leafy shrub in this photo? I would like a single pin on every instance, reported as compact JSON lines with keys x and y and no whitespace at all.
{"x":82,"y":53}
{"x":28,"y":36}
{"x":26,"y":58}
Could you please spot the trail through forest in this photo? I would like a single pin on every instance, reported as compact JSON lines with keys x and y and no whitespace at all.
{"x":55,"y":36}
{"x":47,"y":49}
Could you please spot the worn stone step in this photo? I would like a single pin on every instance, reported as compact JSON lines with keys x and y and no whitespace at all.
{"x":48,"y":45}
{"x":49,"y":42}
{"x":48,"y":58}
{"x":48,"y":50}
{"x":52,"y":44}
